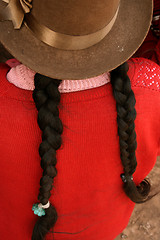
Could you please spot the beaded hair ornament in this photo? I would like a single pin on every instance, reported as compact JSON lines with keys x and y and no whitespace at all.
{"x":39,"y":209}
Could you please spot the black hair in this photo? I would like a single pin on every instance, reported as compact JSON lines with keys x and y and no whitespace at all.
{"x":47,"y":98}
{"x":126,"y":114}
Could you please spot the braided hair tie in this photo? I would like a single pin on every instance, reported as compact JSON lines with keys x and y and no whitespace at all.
{"x":39,"y":209}
{"x":126,"y":178}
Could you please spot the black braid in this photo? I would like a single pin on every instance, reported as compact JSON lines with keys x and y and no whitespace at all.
{"x":47,"y":98}
{"x":126,"y":114}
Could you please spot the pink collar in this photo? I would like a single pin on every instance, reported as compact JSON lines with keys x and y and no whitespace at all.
{"x":23,"y":77}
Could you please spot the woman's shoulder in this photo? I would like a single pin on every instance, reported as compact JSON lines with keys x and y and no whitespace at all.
{"x":144,"y":73}
{"x":4,"y":68}
{"x":9,"y":90}
{"x":145,"y":81}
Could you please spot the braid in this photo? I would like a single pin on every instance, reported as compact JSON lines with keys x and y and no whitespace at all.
{"x":47,"y":98}
{"x":126,"y":114}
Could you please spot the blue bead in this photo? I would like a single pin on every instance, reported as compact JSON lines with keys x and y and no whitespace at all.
{"x":38,"y":211}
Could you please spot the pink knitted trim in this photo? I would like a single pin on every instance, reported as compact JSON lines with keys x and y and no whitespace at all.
{"x":23,"y":77}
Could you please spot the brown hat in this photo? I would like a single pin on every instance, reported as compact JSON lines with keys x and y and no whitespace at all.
{"x":73,"y":39}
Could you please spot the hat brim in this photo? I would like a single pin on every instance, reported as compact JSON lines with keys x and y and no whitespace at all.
{"x":127,"y":34}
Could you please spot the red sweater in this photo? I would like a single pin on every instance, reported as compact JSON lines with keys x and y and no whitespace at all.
{"x":87,"y":192}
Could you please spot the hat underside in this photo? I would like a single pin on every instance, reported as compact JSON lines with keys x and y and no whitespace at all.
{"x":122,"y":41}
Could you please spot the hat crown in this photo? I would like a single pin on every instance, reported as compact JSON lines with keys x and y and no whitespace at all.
{"x":74,"y":17}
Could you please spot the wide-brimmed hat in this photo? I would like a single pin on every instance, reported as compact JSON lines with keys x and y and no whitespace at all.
{"x":73,"y":39}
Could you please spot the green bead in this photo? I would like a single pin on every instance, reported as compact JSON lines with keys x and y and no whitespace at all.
{"x":38,"y":211}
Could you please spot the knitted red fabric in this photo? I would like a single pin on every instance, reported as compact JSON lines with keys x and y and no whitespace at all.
{"x":87,"y":191}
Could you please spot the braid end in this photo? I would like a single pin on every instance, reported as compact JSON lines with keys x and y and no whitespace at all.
{"x":44,"y":224}
{"x":138,"y":194}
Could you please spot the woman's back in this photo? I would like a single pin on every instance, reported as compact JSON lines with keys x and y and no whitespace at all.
{"x":87,"y":192}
